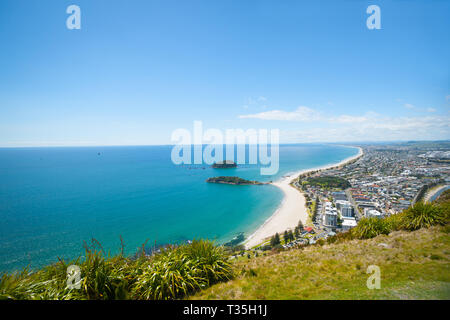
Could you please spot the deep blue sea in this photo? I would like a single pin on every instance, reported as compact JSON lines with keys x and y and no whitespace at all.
{"x":51,"y":199}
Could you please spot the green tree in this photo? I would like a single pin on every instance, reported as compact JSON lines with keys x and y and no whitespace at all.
{"x":291,"y":235}
{"x":300,"y":226}
{"x":286,"y":237}
{"x":296,"y":232}
{"x":275,"y":240}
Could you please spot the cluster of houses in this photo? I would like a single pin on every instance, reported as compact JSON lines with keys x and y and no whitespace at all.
{"x":309,"y":236}
{"x":384,"y":181}
{"x":338,"y":214}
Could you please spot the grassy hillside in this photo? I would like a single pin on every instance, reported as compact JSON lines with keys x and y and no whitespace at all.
{"x":414,"y":265}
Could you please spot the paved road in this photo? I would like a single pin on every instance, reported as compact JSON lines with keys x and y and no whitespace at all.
{"x":353,"y":202}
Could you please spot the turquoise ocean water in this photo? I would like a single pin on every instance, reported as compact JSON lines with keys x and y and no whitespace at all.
{"x":51,"y":199}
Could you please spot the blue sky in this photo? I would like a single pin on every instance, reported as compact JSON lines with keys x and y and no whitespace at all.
{"x":138,"y":70}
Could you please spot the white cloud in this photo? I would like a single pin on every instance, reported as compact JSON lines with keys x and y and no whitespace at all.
{"x":413,"y":107}
{"x":351,"y":119}
{"x":302,"y":113}
{"x":369,"y":126}
{"x":409,"y":106}
{"x":382,"y":129}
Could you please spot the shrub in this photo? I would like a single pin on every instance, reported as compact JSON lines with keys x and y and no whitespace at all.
{"x":277,"y":248}
{"x":370,"y":227}
{"x":210,"y":258}
{"x":446,"y":228}
{"x":445,"y":208}
{"x":101,"y":278}
{"x":340,"y":237}
{"x":320,"y":242}
{"x":331,"y":239}
{"x":344,"y":236}
{"x":171,"y":274}
{"x":178,"y":271}
{"x":422,"y":215}
{"x":394,"y":222}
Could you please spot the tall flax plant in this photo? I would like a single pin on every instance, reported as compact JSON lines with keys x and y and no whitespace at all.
{"x":103,"y":278}
{"x":48,"y":283}
{"x":395,"y":221}
{"x":369,"y":228}
{"x":423,"y":215}
{"x":210,"y":259}
{"x":171,"y":274}
{"x":178,"y":271}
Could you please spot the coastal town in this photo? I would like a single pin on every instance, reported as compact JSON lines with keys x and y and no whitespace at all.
{"x":385,"y":180}
{"x":381,"y":181}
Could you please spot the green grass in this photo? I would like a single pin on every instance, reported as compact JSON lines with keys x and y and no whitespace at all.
{"x":423,"y":215}
{"x":370,"y":227}
{"x":395,"y":221}
{"x":174,"y":273}
{"x":415,"y":265}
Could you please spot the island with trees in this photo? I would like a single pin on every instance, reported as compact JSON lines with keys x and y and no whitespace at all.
{"x":232,"y":180}
{"x":224,"y":164}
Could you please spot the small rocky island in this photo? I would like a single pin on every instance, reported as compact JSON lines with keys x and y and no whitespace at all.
{"x":232,"y":180}
{"x":224,"y":164}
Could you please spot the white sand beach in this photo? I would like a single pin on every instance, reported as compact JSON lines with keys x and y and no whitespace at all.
{"x":291,"y":210}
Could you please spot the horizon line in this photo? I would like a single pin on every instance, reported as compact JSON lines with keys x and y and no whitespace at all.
{"x":161,"y":145}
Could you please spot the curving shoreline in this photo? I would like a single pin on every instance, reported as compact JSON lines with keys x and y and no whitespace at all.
{"x":431,"y":193}
{"x":293,"y":207}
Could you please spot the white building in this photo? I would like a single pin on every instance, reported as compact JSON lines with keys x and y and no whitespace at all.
{"x":372,"y":213}
{"x":348,"y":223}
{"x":347,"y":211}
{"x":341,"y":203}
{"x":330,"y":216}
